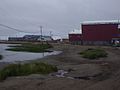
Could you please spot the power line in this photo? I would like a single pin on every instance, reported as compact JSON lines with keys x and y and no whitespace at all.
{"x":18,"y":30}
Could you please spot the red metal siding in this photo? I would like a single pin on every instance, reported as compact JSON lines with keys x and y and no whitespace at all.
{"x":99,"y":32}
{"x":74,"y":37}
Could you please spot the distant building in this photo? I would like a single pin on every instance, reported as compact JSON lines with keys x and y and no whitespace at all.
{"x":56,"y":39}
{"x":100,"y":32}
{"x":31,"y":38}
{"x":15,"y":39}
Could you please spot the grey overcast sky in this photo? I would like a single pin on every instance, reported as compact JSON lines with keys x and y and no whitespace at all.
{"x":58,"y":16}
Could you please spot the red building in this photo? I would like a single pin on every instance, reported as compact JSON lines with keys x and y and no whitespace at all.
{"x":100,"y":32}
{"x":75,"y":37}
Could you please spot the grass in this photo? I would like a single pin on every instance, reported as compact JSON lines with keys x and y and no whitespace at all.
{"x":93,"y":53}
{"x":37,"y":48}
{"x":26,"y":69}
{"x":1,"y":57}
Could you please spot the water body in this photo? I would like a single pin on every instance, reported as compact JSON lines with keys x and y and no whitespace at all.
{"x":11,"y":56}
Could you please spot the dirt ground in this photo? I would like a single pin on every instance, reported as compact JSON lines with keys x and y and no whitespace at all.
{"x":99,"y":74}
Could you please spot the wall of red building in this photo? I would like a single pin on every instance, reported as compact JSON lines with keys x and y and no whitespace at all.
{"x":75,"y":37}
{"x":99,"y":32}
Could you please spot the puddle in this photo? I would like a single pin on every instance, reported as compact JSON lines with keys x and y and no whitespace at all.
{"x":11,"y":56}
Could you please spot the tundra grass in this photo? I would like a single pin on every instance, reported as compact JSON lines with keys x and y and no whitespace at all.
{"x":26,"y":69}
{"x":36,"y":48}
{"x":94,"y":53}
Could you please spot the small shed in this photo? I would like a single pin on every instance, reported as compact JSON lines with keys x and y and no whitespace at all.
{"x":75,"y":37}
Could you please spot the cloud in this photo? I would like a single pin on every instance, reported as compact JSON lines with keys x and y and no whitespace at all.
{"x":59,"y":16}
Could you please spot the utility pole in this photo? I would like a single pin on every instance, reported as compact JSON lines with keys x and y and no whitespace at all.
{"x":41,"y":28}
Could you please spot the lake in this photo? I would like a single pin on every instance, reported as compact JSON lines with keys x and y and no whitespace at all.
{"x":12,"y":56}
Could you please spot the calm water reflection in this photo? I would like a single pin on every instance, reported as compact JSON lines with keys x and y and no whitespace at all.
{"x":10,"y":56}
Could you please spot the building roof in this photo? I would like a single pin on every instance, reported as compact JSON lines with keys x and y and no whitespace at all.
{"x":76,"y":32}
{"x":101,"y":22}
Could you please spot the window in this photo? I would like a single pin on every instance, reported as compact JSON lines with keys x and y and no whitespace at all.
{"x":119,"y":26}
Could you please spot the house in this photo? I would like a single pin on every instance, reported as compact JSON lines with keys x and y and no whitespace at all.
{"x":100,"y":32}
{"x":75,"y":37}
